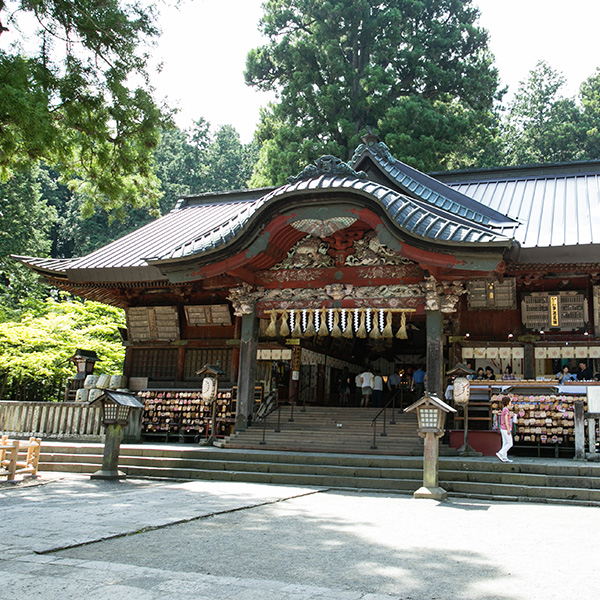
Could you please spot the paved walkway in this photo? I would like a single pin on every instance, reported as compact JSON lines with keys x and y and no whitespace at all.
{"x":68,"y":538}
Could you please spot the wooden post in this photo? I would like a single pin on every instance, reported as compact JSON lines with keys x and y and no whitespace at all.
{"x":435,"y":355}
{"x":247,"y":371}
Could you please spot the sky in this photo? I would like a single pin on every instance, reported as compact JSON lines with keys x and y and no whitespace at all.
{"x":204,"y":45}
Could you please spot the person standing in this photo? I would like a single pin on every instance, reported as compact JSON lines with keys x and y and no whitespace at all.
{"x":358,"y":389}
{"x":344,"y":387}
{"x":378,"y":390}
{"x":505,"y":430}
{"x":366,"y":382}
{"x":419,"y":379}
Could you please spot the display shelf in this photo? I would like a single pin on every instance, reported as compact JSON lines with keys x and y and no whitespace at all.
{"x":183,"y":415}
{"x":541,"y":419}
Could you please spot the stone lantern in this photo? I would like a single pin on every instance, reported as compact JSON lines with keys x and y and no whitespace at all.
{"x":116,"y":412}
{"x":431,"y":416}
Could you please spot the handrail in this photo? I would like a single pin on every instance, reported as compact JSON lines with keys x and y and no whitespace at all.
{"x":392,"y":401}
{"x":277,"y":407}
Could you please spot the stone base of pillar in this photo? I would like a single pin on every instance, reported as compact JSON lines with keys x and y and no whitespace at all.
{"x":433,"y":493}
{"x":466,"y":450}
{"x":102,"y":474}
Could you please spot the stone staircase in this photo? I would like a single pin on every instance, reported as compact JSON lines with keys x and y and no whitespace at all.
{"x":527,"y":479}
{"x":331,"y":429}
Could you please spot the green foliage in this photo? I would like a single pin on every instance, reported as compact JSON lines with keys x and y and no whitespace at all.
{"x":73,"y":102}
{"x":541,"y":125}
{"x":341,"y":66}
{"x":25,"y":223}
{"x":34,"y":350}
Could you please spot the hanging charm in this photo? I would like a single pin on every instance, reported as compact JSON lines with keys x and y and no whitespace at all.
{"x":402,"y":335}
{"x":361,"y":332}
{"x":297,"y":333}
{"x":336,"y":332}
{"x":387,"y":330}
{"x":272,"y":328}
{"x":310,"y":330}
{"x":348,"y":333}
{"x":375,"y":333}
{"x":284,"y":329}
{"x":323,"y":329}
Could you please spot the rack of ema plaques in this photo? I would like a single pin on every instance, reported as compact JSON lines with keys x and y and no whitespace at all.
{"x":182,"y":415}
{"x":542,"y":420}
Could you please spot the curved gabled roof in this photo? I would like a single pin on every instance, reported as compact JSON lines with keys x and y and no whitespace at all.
{"x":430,"y":190}
{"x":201,"y":225}
{"x":415,"y":217}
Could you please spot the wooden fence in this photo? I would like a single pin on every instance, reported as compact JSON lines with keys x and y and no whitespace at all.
{"x":68,"y":421}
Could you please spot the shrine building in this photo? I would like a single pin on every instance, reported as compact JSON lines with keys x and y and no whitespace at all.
{"x":370,"y":264}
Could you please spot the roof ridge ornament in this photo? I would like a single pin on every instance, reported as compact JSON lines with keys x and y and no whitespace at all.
{"x":327,"y":165}
{"x":379,"y":149}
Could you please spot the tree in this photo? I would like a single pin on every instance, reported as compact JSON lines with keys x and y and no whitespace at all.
{"x":541,"y":125}
{"x":35,"y":348}
{"x":25,"y":223}
{"x":81,"y":101}
{"x":589,"y":95}
{"x":342,"y":65}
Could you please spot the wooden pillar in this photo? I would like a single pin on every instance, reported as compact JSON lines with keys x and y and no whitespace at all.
{"x":528,"y":361}
{"x":435,"y":352}
{"x":246,"y":371}
{"x":579,"y":431}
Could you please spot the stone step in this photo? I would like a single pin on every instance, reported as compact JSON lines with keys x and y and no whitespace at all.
{"x":530,"y":480}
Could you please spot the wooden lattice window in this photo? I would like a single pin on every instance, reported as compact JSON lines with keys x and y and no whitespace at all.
{"x":559,"y":310}
{"x":158,"y":364}
{"x":211,"y":314}
{"x":492,"y":295}
{"x":196,"y":358}
{"x":145,"y":323}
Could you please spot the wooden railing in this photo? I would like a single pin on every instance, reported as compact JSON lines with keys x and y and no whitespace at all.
{"x":72,"y":421}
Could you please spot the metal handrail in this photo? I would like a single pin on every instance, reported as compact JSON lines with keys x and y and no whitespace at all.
{"x":392,"y":401}
{"x":277,"y":407}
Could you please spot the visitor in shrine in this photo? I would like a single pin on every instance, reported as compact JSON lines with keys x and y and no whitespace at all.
{"x":418,"y":382}
{"x":377,"y":390}
{"x":584,"y":373}
{"x":565,"y":375}
{"x":366,"y":382}
{"x":508,"y":374}
{"x":505,"y":430}
{"x":344,"y":387}
{"x":489,"y":374}
{"x":480,"y":375}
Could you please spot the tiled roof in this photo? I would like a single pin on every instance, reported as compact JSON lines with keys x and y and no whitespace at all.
{"x":414,"y":216}
{"x":430,"y":190}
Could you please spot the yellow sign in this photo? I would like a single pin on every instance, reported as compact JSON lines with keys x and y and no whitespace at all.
{"x":553,"y":311}
{"x":292,"y":342}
